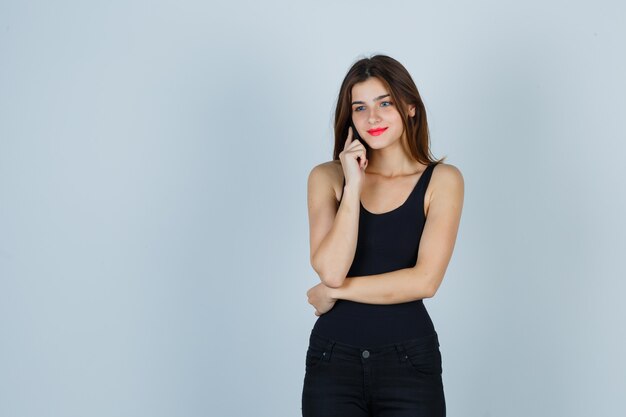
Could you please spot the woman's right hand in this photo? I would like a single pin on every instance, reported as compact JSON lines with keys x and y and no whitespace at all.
{"x":353,"y":160}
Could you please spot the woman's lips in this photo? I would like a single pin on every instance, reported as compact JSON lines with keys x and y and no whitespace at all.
{"x":376,"y":132}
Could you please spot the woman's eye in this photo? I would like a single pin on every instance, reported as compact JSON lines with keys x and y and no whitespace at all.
{"x":383,"y":102}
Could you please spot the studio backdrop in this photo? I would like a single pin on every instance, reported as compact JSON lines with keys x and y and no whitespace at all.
{"x":154,"y":252}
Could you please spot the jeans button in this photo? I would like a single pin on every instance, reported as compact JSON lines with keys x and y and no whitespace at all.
{"x":366,"y":354}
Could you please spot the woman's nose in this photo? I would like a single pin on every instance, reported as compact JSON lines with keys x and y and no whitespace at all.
{"x":373,"y":116}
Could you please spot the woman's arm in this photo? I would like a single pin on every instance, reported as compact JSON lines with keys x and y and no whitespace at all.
{"x":333,"y":230}
{"x":436,"y":246}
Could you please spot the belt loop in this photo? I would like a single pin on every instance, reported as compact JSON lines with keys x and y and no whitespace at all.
{"x":401,"y":352}
{"x":328,"y":350}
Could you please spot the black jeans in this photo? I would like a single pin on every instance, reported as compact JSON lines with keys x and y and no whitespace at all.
{"x":396,"y":380}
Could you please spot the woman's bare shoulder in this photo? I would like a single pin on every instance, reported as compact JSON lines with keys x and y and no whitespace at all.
{"x":447,"y":170}
{"x":446,"y":175}
{"x":330,"y":173}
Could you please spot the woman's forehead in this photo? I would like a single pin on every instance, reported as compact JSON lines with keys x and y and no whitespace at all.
{"x":369,"y":90}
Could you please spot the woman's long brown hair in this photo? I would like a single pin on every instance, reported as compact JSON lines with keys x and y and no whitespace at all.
{"x":403,"y":93}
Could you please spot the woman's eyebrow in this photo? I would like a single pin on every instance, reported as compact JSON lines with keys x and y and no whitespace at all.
{"x":376,"y":99}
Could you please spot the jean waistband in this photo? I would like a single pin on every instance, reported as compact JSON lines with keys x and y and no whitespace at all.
{"x":330,"y":345}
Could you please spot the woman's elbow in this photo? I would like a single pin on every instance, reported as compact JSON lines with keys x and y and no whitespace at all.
{"x":328,"y":278}
{"x":333,"y":283}
{"x":331,"y":280}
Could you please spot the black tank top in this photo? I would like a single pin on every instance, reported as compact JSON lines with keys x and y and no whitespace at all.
{"x":386,"y":242}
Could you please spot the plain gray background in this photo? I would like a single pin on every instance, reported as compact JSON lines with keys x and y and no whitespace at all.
{"x":153,"y":219}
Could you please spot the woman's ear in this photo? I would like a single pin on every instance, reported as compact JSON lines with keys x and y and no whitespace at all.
{"x":412,"y":111}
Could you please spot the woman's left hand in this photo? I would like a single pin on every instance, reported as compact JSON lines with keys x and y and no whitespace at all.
{"x":321,"y":297}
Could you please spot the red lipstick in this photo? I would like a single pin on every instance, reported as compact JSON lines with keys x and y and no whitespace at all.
{"x":377,"y":131}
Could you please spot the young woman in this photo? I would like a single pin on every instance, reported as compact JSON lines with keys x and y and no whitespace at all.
{"x":383,"y":216}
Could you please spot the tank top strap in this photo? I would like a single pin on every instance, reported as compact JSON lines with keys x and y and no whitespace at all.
{"x":425,"y":180}
{"x":428,"y":172}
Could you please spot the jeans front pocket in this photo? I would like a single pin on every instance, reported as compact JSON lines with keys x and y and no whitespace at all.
{"x":425,"y":358}
{"x":317,"y":352}
{"x":314,"y":356}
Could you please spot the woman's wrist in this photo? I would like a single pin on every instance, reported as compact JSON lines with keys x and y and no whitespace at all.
{"x":351,"y":191}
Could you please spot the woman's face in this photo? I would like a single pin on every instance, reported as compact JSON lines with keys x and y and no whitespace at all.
{"x":374,"y":115}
